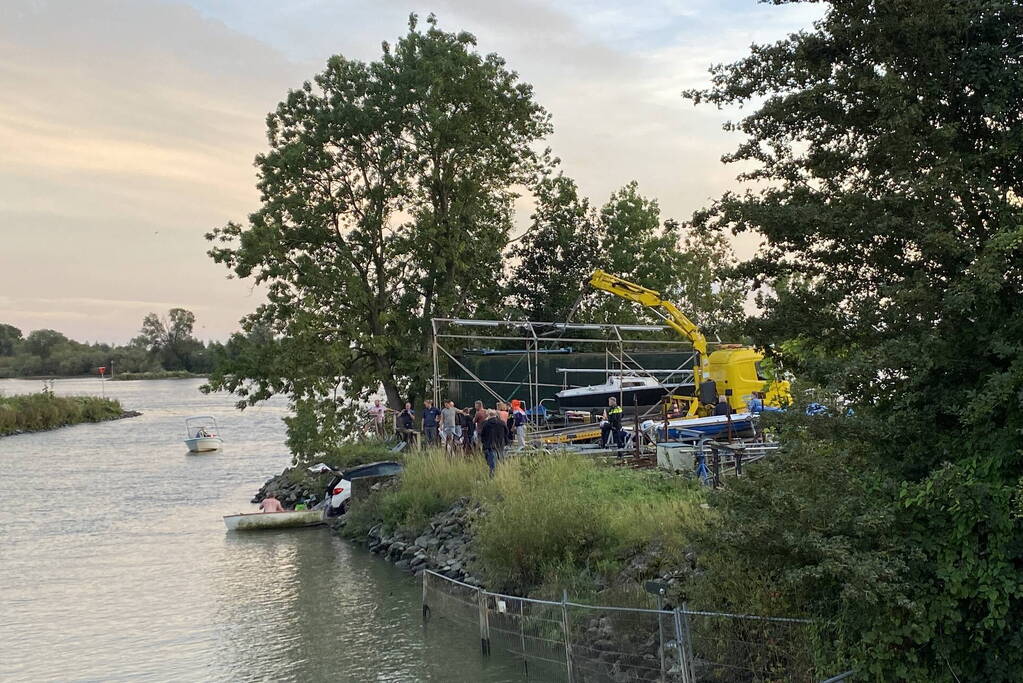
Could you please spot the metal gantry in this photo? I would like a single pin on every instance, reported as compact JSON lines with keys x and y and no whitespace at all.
{"x":530,"y":336}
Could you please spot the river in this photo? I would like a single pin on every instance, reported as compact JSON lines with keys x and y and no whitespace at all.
{"x":115,"y":563}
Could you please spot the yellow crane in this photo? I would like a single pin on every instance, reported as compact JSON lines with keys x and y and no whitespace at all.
{"x":733,"y":367}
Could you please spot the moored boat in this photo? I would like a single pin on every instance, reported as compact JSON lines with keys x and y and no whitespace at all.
{"x":202,"y":435}
{"x":251,"y":521}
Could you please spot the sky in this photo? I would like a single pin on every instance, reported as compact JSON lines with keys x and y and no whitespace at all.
{"x":128,"y":128}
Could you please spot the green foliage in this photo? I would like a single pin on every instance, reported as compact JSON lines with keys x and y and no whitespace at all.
{"x":48,"y":353}
{"x":688,"y":267}
{"x":557,"y":254}
{"x":10,"y":339}
{"x":431,"y":483}
{"x":387,"y":201}
{"x":170,"y":340}
{"x":157,"y":374}
{"x":36,"y":412}
{"x":886,"y":157}
{"x":547,"y":520}
{"x":567,"y":240}
{"x":565,"y":517}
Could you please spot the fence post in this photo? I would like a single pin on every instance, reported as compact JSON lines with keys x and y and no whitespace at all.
{"x":568,"y":641}
{"x":685,"y":644}
{"x":522,"y":634}
{"x":426,"y":608}
{"x":481,"y":600}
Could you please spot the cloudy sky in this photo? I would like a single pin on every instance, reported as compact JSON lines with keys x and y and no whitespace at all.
{"x":128,"y":127}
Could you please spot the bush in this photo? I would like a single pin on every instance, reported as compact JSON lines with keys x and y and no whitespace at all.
{"x":36,"y":412}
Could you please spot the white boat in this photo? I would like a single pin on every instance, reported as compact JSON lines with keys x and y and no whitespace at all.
{"x":202,"y":434}
{"x":739,"y":424}
{"x":250,"y":521}
{"x":630,"y":390}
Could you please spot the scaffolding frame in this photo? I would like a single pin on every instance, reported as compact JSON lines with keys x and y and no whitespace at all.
{"x":531,"y":335}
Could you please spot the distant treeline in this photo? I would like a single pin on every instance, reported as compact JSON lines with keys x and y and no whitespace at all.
{"x":165,"y":345}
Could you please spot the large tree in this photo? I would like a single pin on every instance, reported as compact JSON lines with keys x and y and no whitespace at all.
{"x":386,"y":201}
{"x":567,"y":239}
{"x":170,"y":339}
{"x":556,"y":254}
{"x":689,"y":267}
{"x":885,"y":148}
{"x":10,"y":338}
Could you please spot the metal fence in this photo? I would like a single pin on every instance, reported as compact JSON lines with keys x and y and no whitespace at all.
{"x":575,"y":643}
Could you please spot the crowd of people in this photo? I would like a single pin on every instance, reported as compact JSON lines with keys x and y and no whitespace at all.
{"x":459,"y":430}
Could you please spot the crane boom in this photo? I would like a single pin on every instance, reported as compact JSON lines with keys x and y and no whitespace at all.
{"x":666,"y":310}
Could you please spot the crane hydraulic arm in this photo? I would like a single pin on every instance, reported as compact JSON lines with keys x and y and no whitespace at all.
{"x":665,"y":310}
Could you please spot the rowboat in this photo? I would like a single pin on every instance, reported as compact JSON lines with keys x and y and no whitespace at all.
{"x":251,"y":521}
{"x":202,"y":434}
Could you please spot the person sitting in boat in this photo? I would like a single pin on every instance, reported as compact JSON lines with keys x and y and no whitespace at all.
{"x":755,"y":404}
{"x":612,"y":426}
{"x":271,"y":504}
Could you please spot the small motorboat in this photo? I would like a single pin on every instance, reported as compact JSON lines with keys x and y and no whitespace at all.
{"x":202,"y":435}
{"x":252,"y":521}
{"x":630,"y":390}
{"x":739,"y":424}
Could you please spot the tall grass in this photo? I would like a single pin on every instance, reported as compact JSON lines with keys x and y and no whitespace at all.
{"x":548,"y":522}
{"x":431,"y":482}
{"x":36,"y":412}
{"x":554,"y":520}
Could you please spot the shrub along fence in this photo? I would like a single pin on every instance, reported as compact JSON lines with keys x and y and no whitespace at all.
{"x":576,"y":643}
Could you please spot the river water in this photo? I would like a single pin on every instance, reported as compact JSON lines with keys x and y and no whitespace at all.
{"x":115,"y":563}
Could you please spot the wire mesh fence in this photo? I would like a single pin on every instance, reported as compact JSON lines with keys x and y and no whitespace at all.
{"x":575,"y":643}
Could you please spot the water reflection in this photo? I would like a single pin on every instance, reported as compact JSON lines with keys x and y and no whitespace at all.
{"x":115,"y":563}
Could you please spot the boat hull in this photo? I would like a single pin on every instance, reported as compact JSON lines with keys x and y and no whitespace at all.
{"x":644,"y":397}
{"x":204,"y":444}
{"x":741,"y":424}
{"x":256,"y":521}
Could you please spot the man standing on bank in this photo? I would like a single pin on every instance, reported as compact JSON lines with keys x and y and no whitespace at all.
{"x":430,"y":417}
{"x":613,"y":425}
{"x":493,"y":437}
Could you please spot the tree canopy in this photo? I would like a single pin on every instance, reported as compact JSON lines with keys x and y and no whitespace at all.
{"x":885,"y":149}
{"x":387,"y":197}
{"x":568,"y":239}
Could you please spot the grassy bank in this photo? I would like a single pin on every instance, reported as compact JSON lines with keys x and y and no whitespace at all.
{"x":159,"y":374}
{"x":546,"y":522}
{"x":37,"y":412}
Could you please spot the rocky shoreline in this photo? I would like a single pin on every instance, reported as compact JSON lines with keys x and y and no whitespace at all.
{"x":122,"y":416}
{"x":445,"y":547}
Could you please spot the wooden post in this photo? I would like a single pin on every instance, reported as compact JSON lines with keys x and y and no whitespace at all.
{"x":481,"y":600}
{"x":426,"y":609}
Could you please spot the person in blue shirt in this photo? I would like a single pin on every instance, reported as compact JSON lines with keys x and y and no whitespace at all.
{"x":431,"y":415}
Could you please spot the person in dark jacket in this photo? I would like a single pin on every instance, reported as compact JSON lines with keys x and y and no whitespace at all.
{"x":493,"y":437}
{"x":612,"y":427}
{"x":407,"y":424}
{"x":723,"y":407}
{"x":468,"y":428}
{"x":431,"y":416}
